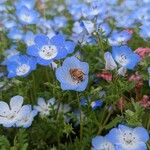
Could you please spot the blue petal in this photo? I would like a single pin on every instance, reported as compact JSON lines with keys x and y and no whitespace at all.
{"x":41,"y":39}
{"x":142,"y":133}
{"x":133,"y":60}
{"x":62,"y":52}
{"x":113,"y":135}
{"x":43,"y":61}
{"x":97,"y":141}
{"x":58,"y":40}
{"x":118,"y":50}
{"x":82,"y":86}
{"x":32,"y":50}
{"x":70,"y":46}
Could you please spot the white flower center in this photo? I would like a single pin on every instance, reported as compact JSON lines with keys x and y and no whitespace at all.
{"x":48,"y":52}
{"x":122,"y":59}
{"x":23,"y":69}
{"x":30,"y":42}
{"x":26,"y":17}
{"x":107,"y":146}
{"x":129,"y":139}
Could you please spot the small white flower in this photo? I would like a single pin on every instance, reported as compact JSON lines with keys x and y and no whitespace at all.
{"x":44,"y":107}
{"x":15,"y":114}
{"x":27,"y":116}
{"x":9,"y":114}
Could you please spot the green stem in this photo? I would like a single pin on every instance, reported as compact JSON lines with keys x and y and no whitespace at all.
{"x":34,"y":87}
{"x":104,"y":123}
{"x":81,"y":121}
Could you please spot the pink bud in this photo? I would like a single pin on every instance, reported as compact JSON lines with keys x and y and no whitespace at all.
{"x":142,"y":52}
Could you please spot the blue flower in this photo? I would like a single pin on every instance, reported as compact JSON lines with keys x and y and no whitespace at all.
{"x":124,"y":56}
{"x":126,"y":138}
{"x":20,"y":65}
{"x":46,"y":50}
{"x":59,"y":22}
{"x":15,"y":34}
{"x":27,"y":16}
{"x":145,"y":32}
{"x":104,"y":29}
{"x":73,"y":74}
{"x":88,"y":26}
{"x":96,"y":104}
{"x":29,"y":38}
{"x":27,"y":3}
{"x":119,"y":38}
{"x":102,"y":143}
{"x":83,"y":102}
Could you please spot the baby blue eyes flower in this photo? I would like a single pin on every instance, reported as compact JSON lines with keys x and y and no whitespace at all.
{"x":27,"y":16}
{"x":15,"y":34}
{"x":29,"y":38}
{"x":46,"y":50}
{"x":126,"y":138}
{"x":20,"y":65}
{"x":96,"y":104}
{"x":102,"y":143}
{"x":124,"y":56}
{"x":44,"y":107}
{"x":119,"y":38}
{"x":145,"y":32}
{"x":27,"y":3}
{"x":104,"y":29}
{"x":73,"y":74}
{"x":16,"y":115}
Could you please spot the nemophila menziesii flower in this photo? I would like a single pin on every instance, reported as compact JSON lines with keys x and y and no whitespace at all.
{"x":29,"y":38}
{"x":111,"y":65}
{"x":96,"y":104}
{"x":46,"y":50}
{"x":20,"y":65}
{"x":43,"y":107}
{"x":145,"y":32}
{"x":27,"y":16}
{"x":102,"y":143}
{"x":15,"y":34}
{"x":119,"y":38}
{"x":59,"y":22}
{"x":88,"y":26}
{"x":13,"y":113}
{"x":27,"y":118}
{"x":28,"y":3}
{"x":126,"y":138}
{"x":103,"y":29}
{"x":125,"y":57}
{"x":73,"y":74}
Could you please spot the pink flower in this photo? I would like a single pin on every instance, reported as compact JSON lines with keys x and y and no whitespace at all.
{"x":105,"y":75}
{"x":137,"y":79}
{"x":145,"y":102}
{"x":142,"y":52}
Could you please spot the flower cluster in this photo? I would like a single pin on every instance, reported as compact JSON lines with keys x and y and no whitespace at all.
{"x":82,"y":68}
{"x":122,"y":137}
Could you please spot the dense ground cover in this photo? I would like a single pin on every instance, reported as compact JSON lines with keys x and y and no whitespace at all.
{"x":74,"y":75}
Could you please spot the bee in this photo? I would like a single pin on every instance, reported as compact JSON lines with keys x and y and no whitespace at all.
{"x":77,"y":75}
